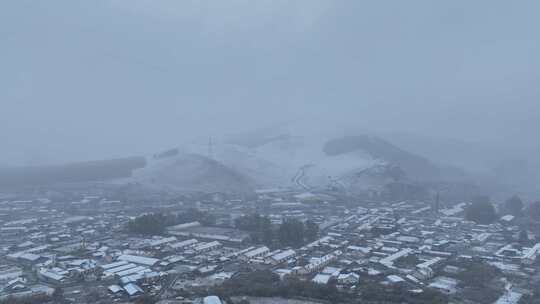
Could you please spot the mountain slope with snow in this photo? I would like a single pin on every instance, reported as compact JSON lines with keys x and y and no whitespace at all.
{"x":191,"y":172}
{"x":352,"y":163}
{"x":288,"y":161}
{"x":315,"y":162}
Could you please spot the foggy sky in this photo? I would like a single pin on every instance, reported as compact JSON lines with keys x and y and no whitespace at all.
{"x":95,"y":79}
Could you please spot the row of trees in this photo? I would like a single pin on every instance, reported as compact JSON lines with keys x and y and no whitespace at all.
{"x":533,"y":210}
{"x":57,"y":297}
{"x":264,"y":283}
{"x":482,"y":210}
{"x":479,"y":283}
{"x":155,"y":223}
{"x":150,"y":224}
{"x":27,"y":300}
{"x":291,"y":232}
{"x":513,"y":206}
{"x":516,"y":207}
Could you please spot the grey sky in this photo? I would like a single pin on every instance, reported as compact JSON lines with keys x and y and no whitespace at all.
{"x":95,"y":79}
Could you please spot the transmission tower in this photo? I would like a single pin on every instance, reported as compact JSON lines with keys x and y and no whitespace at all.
{"x":210,"y":148}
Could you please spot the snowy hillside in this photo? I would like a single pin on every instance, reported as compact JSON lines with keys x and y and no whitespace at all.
{"x":190,"y":172}
{"x":357,"y":163}
{"x":288,"y":161}
{"x":283,"y":160}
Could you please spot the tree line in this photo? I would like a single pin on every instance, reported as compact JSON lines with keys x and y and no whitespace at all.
{"x":264,"y":283}
{"x":290,"y":233}
{"x":482,"y":210}
{"x":156,"y":223}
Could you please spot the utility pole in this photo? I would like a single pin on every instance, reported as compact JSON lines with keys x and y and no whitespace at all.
{"x":210,"y":148}
{"x":436,"y":204}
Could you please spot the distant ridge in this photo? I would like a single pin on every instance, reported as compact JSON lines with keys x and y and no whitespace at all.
{"x":360,"y":163}
{"x":415,"y":166}
{"x":89,"y":171}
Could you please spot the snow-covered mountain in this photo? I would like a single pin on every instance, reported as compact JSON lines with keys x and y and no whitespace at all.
{"x":189,"y":172}
{"x":355,"y":163}
{"x":316,"y":162}
{"x":287,"y":161}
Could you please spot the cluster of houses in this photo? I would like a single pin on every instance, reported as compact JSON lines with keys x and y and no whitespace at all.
{"x":407,"y":244}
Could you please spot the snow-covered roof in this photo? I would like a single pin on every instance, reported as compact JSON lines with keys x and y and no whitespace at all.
{"x":113,"y":265}
{"x":138,"y":259}
{"x":133,"y":289}
{"x":211,"y":300}
{"x":115,"y":288}
{"x":257,"y":252}
{"x":284,"y":255}
{"x":395,"y":279}
{"x":507,"y":218}
{"x":391,"y":258}
{"x":322,"y":278}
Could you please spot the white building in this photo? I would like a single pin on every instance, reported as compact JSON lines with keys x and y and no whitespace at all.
{"x":211,"y":300}
{"x":444,"y":284}
{"x":204,"y":247}
{"x":389,"y":260}
{"x":530,"y":256}
{"x":133,"y":290}
{"x":348,"y":278}
{"x":282,"y":256}
{"x":256,"y":253}
{"x":138,"y":259}
{"x":321,"y":278}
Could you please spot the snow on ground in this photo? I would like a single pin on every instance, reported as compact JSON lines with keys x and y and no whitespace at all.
{"x":289,"y":161}
{"x":278,"y":163}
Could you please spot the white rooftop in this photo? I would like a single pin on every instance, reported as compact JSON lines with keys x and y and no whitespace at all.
{"x":138,"y":259}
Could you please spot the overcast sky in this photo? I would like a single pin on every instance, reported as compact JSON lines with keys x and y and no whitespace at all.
{"x":96,"y":79}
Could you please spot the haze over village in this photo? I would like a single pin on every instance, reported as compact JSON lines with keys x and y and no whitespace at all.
{"x":295,"y":152}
